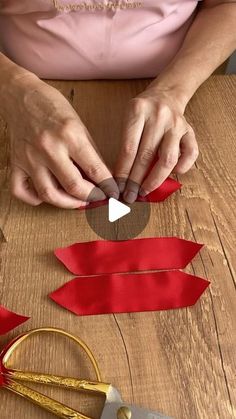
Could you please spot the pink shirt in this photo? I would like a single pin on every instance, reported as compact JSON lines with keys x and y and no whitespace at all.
{"x":94,"y":39}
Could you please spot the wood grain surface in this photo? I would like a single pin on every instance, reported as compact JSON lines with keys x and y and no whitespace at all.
{"x":180,"y":362}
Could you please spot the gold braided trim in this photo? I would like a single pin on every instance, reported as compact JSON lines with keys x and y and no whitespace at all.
{"x":108,"y":5}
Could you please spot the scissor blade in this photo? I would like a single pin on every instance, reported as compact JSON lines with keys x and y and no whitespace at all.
{"x":113,"y":396}
{"x":110,"y":412}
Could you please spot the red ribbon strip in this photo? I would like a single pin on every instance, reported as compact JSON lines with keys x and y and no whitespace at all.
{"x":160,"y":194}
{"x":103,"y":257}
{"x":130,"y":292}
{"x":9,"y":320}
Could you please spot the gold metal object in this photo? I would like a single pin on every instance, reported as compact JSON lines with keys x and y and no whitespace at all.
{"x":53,"y":406}
{"x":124,"y":413}
{"x":27,"y":335}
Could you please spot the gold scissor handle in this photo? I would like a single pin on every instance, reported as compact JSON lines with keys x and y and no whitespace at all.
{"x":24,"y":336}
{"x":70,"y":383}
{"x":45,"y":402}
{"x":52,"y":406}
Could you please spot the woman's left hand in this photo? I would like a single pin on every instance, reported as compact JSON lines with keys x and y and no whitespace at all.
{"x":155,"y":127}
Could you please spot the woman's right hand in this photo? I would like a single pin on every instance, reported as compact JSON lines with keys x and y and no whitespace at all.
{"x":47,"y":138}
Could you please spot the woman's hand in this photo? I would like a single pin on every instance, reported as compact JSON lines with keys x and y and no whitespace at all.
{"x":155,"y":128}
{"x":47,"y":138}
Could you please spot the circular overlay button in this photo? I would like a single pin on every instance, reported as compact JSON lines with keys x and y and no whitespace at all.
{"x":118,"y":220}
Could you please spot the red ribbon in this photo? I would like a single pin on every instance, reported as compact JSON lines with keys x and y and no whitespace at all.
{"x":9,"y":320}
{"x":123,"y":293}
{"x":102,"y":257}
{"x":160,"y":194}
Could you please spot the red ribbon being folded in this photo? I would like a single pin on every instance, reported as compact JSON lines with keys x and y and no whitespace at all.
{"x":9,"y":320}
{"x":99,"y":257}
{"x":130,"y":292}
{"x":160,"y":194}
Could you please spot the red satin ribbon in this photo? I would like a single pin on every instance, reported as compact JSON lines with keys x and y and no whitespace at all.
{"x":160,"y":194}
{"x":102,"y":257}
{"x":9,"y":320}
{"x":129,"y":292}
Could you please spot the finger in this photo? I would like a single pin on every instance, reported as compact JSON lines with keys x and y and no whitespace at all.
{"x":168,"y":158}
{"x":21,"y":189}
{"x":151,"y":138}
{"x":48,"y":190}
{"x":131,"y":136}
{"x":110,"y":188}
{"x":189,"y":152}
{"x":85,"y":155}
{"x":71,"y":180}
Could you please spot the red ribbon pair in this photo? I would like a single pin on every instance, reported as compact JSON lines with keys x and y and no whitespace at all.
{"x":110,"y":292}
{"x":9,"y":320}
{"x":160,"y":194}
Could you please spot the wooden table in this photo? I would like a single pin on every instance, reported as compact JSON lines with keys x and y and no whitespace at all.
{"x":181,"y":362}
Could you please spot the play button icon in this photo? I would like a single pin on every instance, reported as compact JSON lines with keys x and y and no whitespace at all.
{"x":116,"y":210}
{"x":114,"y":220}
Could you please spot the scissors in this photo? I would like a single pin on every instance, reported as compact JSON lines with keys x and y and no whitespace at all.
{"x":14,"y":380}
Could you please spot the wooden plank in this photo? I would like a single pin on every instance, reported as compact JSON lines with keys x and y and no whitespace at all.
{"x":181,"y":362}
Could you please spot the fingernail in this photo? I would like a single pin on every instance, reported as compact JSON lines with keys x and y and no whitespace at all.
{"x":142,"y":192}
{"x":130,"y":196}
{"x":121,"y":183}
{"x":96,"y":195}
{"x":121,"y":186}
{"x":110,"y":188}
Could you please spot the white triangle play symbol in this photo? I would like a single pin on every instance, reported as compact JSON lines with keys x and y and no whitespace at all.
{"x":116,"y":210}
